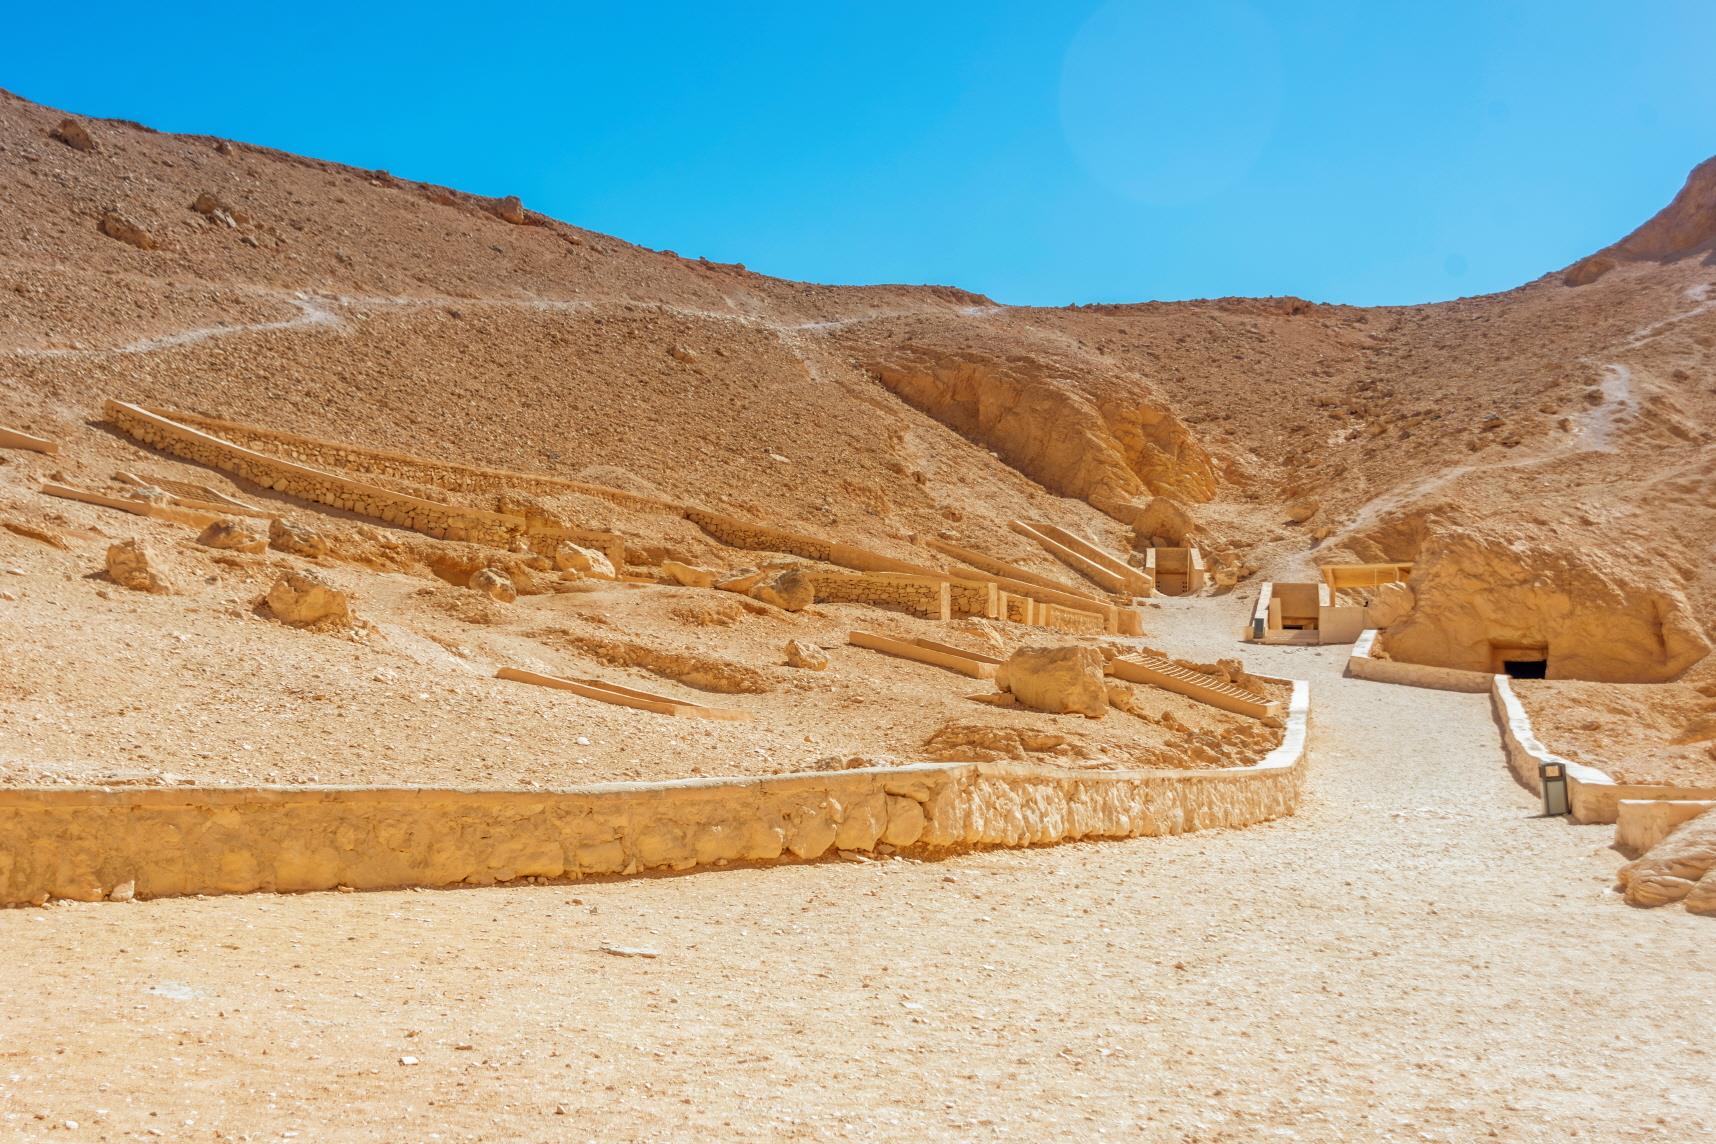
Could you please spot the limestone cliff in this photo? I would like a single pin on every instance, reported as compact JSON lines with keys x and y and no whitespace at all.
{"x":1113,"y":451}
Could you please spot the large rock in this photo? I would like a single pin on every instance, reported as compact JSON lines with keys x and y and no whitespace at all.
{"x":496,"y":585}
{"x":570,"y":557}
{"x":1163,"y":517}
{"x":1059,"y":679}
{"x":805,"y":655}
{"x":236,"y":535}
{"x":74,"y":135}
{"x":792,"y":590}
{"x":127,"y":230}
{"x":296,"y":538}
{"x":300,"y":599}
{"x":133,"y":564}
{"x":509,"y":209}
{"x":1676,"y":867}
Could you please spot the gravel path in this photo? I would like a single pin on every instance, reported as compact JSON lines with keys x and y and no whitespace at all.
{"x":1415,"y":956}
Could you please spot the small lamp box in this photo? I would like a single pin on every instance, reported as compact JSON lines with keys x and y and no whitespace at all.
{"x":1552,"y":777}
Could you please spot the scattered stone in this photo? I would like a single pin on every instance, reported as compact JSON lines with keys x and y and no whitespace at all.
{"x":1057,"y":679}
{"x":792,"y":591}
{"x":1303,"y":509}
{"x":127,"y":230}
{"x":689,"y":575}
{"x":575,"y":558}
{"x":299,"y":599}
{"x":682,"y":354}
{"x":132,"y":564}
{"x":216,"y":211}
{"x":123,"y":892}
{"x":496,"y":585}
{"x":236,"y":535}
{"x":630,"y":950}
{"x":74,"y":135}
{"x":296,"y":539}
{"x":805,"y":655}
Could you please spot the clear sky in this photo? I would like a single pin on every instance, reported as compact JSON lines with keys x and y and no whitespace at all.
{"x":1036,"y":151}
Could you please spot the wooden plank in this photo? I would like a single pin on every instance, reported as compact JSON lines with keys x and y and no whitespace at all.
{"x":14,"y":439}
{"x":960,"y":661}
{"x":936,"y":645}
{"x":139,"y":508}
{"x":605,"y":692}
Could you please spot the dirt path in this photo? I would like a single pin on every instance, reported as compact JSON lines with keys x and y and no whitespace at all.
{"x":1415,"y":956}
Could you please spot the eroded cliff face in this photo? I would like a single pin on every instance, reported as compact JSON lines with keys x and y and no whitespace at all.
{"x":1607,"y":616}
{"x":1114,"y":453}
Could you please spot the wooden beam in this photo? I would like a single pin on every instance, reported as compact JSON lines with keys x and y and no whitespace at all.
{"x":605,"y":692}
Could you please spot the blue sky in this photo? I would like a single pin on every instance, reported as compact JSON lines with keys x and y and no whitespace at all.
{"x":1037,"y":152}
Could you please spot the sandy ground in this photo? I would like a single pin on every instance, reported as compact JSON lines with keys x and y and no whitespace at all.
{"x":1416,"y":955}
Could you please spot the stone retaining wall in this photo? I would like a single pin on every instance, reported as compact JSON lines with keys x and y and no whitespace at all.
{"x":85,"y":844}
{"x":448,"y":522}
{"x":1592,"y":795}
{"x":405,"y":467}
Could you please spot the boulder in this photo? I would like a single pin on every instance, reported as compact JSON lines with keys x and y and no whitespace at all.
{"x":74,"y":135}
{"x":1057,"y":679}
{"x":133,"y":564}
{"x":496,"y":585}
{"x":296,"y":538}
{"x":298,"y":598}
{"x":1164,"y":519}
{"x":127,"y":230}
{"x":508,"y":209}
{"x":792,"y":591}
{"x":690,"y":575}
{"x":1676,"y":867}
{"x":575,"y":558}
{"x":236,"y":535}
{"x":1303,"y":509}
{"x":682,"y":354}
{"x":805,"y":655}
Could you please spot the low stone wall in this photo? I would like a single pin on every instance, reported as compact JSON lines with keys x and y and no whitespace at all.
{"x":405,"y":467}
{"x":1591,"y":793}
{"x":1364,"y":665}
{"x":1064,"y":619}
{"x":86,"y":844}
{"x":921,"y":595}
{"x":449,"y":522}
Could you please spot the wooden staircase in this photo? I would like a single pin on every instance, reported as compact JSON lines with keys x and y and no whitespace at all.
{"x":1170,"y":676}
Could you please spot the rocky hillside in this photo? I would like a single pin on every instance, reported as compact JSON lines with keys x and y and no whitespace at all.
{"x":1562,"y":431}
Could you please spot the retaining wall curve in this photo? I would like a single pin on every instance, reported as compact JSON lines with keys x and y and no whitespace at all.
{"x":84,"y":843}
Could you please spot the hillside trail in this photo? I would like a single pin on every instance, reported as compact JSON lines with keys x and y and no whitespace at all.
{"x":1594,"y":429}
{"x":1415,"y":955}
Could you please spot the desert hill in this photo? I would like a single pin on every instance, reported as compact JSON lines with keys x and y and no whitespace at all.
{"x":1544,"y":455}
